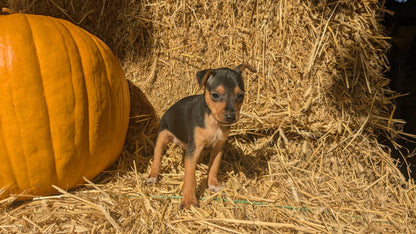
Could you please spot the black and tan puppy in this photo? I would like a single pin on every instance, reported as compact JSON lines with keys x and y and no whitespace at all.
{"x":202,"y":122}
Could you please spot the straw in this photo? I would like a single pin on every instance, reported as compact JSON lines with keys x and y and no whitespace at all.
{"x":307,"y":137}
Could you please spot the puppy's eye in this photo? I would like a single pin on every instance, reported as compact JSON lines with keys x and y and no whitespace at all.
{"x":215,"y":96}
{"x":240,"y":97}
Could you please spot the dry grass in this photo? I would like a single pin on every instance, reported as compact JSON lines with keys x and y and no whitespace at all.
{"x":304,"y":157}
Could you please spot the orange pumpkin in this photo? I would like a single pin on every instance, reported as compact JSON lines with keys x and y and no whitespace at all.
{"x":64,"y":105}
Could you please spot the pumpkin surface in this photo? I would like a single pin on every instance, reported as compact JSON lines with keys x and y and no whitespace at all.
{"x":64,"y":105}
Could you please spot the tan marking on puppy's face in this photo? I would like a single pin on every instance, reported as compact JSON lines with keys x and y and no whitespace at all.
{"x":239,"y":98}
{"x":216,"y":101}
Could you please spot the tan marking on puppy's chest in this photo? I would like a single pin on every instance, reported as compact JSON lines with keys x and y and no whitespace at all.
{"x":212,"y":135}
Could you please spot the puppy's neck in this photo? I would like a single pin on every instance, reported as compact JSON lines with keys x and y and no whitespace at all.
{"x":211,"y":122}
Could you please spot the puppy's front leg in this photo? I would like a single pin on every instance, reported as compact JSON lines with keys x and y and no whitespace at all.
{"x":214,"y":166}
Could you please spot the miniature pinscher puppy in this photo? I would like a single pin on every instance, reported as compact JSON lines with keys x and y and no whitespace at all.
{"x":202,"y":122}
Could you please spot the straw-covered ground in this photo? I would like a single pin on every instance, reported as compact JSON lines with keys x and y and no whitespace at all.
{"x":304,"y":157}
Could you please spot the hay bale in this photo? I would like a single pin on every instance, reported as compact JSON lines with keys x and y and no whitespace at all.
{"x":304,"y":156}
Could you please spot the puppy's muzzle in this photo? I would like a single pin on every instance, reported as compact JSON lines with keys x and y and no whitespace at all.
{"x":230,"y":118}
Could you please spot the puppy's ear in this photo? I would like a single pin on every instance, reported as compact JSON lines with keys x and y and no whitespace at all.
{"x":203,"y":76}
{"x":240,"y":68}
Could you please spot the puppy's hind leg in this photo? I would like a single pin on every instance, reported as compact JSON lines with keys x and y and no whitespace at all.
{"x":189,"y":183}
{"x":163,"y":139}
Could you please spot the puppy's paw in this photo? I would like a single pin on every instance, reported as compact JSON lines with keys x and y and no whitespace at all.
{"x":151,"y":180}
{"x":214,"y":188}
{"x":186,"y":203}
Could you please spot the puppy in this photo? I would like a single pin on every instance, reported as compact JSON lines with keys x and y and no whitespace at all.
{"x":202,"y":122}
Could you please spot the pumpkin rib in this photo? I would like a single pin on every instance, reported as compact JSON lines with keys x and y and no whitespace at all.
{"x":7,"y":167}
{"x":15,"y":170}
{"x":85,"y":38}
{"x":99,"y":49}
{"x":66,"y":25}
{"x":14,"y":149}
{"x":109,"y":60}
{"x":110,"y":105}
{"x":88,"y":91}
{"x":60,"y":27}
{"x":45,"y":100}
{"x":31,"y":183}
{"x":111,"y":71}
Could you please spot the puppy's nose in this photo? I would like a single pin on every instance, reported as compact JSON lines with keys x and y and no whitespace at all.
{"x":229,"y":117}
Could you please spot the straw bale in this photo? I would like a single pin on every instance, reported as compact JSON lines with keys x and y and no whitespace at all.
{"x":303,"y":158}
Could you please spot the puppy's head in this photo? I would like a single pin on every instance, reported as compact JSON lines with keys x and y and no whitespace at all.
{"x":224,"y":92}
